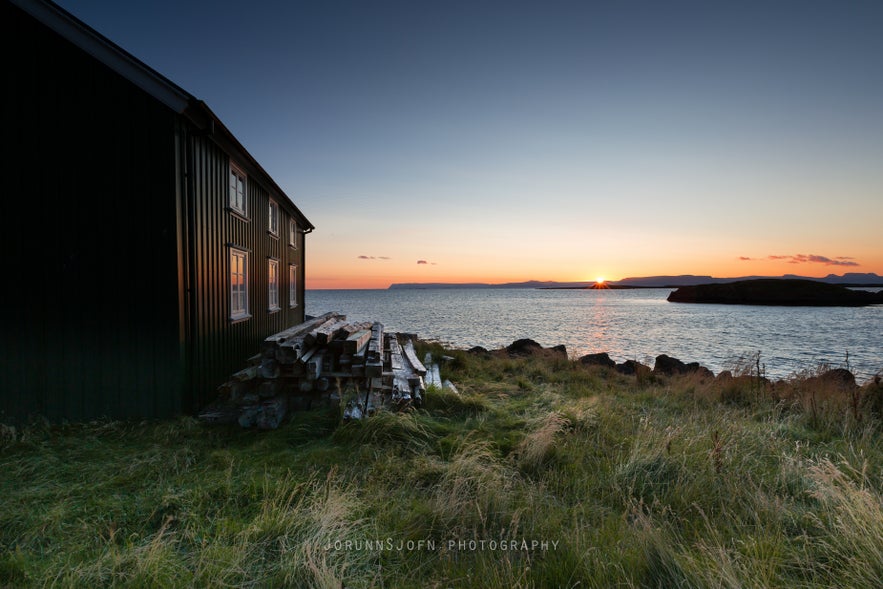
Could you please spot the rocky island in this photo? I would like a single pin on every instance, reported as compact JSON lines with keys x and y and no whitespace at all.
{"x":780,"y":292}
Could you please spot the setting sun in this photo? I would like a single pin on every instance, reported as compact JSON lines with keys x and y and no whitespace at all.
{"x":599,"y":280}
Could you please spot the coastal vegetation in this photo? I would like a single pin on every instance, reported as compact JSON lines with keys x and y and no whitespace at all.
{"x":540,"y":472}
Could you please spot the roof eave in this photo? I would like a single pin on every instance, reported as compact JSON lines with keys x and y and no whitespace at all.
{"x":107,"y":52}
{"x":155,"y":84}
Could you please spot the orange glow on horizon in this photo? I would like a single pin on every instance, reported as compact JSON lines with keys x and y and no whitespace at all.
{"x":328,"y":271}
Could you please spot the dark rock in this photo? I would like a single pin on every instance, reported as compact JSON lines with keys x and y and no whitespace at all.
{"x":600,"y":359}
{"x":669,"y":366}
{"x":560,"y":349}
{"x":696,"y":368}
{"x":631,"y":368}
{"x":523,"y":347}
{"x":872,"y":398}
{"x":724,"y":376}
{"x":840,"y":375}
{"x":478,"y":351}
{"x":837,"y":377}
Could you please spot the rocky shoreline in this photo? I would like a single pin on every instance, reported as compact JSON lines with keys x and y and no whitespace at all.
{"x":664,"y":365}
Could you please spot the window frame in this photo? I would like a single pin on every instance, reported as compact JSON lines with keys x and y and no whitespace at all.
{"x":238,"y":267}
{"x":273,"y":218}
{"x":292,"y":233}
{"x":233,"y":191}
{"x":273,"y":285}
{"x":292,"y":286}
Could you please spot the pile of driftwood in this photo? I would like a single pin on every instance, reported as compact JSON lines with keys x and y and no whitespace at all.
{"x":325,"y":360}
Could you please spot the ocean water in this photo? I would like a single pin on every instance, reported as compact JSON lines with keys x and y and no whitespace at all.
{"x":627,"y":324}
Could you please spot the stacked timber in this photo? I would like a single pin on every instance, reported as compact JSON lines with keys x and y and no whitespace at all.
{"x":325,"y":360}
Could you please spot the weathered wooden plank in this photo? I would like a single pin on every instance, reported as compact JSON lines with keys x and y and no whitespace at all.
{"x":432,"y":376}
{"x":305,"y":357}
{"x":246,"y":374}
{"x":288,"y":349}
{"x":450,"y":386}
{"x":396,"y":357}
{"x":280,"y":337}
{"x":315,"y":364}
{"x":356,"y":341}
{"x":411,"y":356}
{"x":374,"y":356}
{"x":343,"y":334}
{"x":269,"y":368}
{"x":330,"y":331}
{"x":401,"y":391}
{"x":312,"y":337}
{"x":265,"y":415}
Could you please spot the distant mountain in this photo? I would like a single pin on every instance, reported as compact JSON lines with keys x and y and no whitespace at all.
{"x":848,"y":279}
{"x":527,"y":284}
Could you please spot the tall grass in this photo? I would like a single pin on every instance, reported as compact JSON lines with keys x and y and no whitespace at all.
{"x":621,"y":481}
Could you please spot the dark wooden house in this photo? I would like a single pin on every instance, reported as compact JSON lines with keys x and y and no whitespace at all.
{"x":146,"y":253}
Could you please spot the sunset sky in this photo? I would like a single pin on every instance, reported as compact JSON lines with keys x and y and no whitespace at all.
{"x":464,"y":141}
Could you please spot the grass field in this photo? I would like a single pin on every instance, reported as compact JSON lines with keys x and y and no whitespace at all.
{"x":541,"y":473}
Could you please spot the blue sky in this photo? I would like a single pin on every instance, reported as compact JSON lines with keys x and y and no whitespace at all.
{"x":506,"y":141}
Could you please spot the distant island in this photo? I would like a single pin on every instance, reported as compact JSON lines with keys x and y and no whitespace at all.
{"x":778,"y":292}
{"x":848,"y":279}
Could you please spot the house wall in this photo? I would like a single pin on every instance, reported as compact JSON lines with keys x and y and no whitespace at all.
{"x":91,"y":319}
{"x":115,"y":238}
{"x":219,"y":346}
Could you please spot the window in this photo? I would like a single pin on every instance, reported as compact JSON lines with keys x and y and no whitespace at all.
{"x":273,"y":225}
{"x":237,"y":190}
{"x":292,"y":285}
{"x":292,"y":233}
{"x":273,"y":274}
{"x":238,"y":284}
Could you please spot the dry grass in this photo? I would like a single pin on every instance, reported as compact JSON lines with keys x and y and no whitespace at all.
{"x":539,"y":446}
{"x":654,"y":482}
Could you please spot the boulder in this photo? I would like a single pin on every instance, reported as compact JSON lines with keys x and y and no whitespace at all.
{"x":524,"y":347}
{"x":631,"y":368}
{"x":872,"y":398}
{"x":670,"y":366}
{"x":560,"y":350}
{"x":599,"y":359}
{"x":836,"y":377}
{"x":696,"y":368}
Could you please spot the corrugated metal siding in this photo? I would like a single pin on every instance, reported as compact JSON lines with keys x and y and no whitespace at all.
{"x":115,"y":235}
{"x":218,"y":345}
{"x":91,"y":323}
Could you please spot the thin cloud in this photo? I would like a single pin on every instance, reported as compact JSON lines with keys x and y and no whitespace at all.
{"x":426,"y":262}
{"x":363,"y":257}
{"x":813,"y":259}
{"x":816,"y":259}
{"x":422,"y":262}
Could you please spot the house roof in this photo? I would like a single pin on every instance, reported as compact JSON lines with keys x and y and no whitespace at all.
{"x":153,"y":83}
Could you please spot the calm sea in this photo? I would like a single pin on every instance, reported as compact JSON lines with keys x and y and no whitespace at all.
{"x":627,"y":324}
